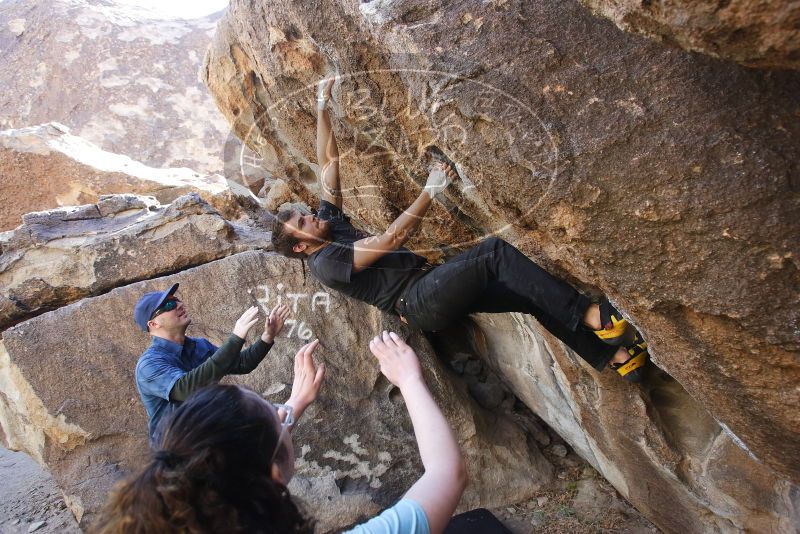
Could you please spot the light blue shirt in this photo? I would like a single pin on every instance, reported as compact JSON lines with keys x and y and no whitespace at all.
{"x":405,"y":517}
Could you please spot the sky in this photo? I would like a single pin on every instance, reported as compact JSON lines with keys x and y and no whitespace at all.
{"x":176,"y":9}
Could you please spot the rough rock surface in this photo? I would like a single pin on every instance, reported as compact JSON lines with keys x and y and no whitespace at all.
{"x":656,"y":444}
{"x":46,"y":166}
{"x":665,"y":179}
{"x":116,"y":75}
{"x":59,"y":256}
{"x":67,"y":394}
{"x":752,"y":32}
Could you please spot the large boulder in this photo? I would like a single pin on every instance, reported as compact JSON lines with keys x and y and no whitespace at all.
{"x":59,"y":256}
{"x":752,"y":32}
{"x":46,"y":166}
{"x":654,"y":440}
{"x":67,"y":394}
{"x":664,"y":179}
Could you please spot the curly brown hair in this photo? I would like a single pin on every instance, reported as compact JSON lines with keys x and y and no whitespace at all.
{"x":282,"y":241}
{"x":210,"y":474}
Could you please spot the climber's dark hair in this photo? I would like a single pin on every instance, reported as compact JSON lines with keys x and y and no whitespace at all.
{"x":210,"y":473}
{"x":282,"y":241}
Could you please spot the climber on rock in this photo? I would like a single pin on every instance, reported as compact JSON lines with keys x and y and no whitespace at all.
{"x":492,"y":277}
{"x":175,"y":365}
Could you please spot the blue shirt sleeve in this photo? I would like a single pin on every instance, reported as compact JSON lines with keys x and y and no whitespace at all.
{"x":405,"y":517}
{"x":156,"y":376}
{"x":205,"y":347}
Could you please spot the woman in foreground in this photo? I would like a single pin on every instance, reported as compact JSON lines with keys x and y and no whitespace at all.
{"x":226,"y":456}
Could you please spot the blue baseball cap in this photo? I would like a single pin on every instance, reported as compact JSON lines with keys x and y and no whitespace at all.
{"x":149,"y":303}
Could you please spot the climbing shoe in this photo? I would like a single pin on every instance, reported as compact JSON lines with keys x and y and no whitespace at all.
{"x":616,"y":329}
{"x":633,"y":369}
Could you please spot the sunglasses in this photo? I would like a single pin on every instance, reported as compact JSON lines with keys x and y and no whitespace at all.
{"x":168,"y":306}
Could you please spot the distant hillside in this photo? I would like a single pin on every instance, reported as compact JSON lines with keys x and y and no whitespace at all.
{"x":127,"y":84}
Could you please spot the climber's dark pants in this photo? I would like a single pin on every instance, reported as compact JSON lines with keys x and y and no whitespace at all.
{"x":478,"y":521}
{"x":495,"y":277}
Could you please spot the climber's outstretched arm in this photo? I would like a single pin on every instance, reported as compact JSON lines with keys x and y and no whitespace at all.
{"x":369,"y":250}
{"x":327,"y":150}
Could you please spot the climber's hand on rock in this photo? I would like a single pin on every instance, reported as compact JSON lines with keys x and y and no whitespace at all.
{"x":307,"y":378}
{"x":399,"y":363}
{"x":324,"y":88}
{"x":441,"y":175}
{"x":274,"y":323}
{"x":246,"y":322}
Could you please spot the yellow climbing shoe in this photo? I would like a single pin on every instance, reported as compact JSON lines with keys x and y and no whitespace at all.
{"x":616,"y":329}
{"x":633,"y":369}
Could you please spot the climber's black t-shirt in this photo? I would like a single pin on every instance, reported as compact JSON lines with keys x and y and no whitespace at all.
{"x":380,"y":284}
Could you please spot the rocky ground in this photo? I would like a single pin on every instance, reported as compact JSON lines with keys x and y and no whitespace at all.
{"x":29,"y":498}
{"x":579,"y":501}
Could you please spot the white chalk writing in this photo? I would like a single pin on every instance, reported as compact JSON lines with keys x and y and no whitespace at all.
{"x":299,"y":327}
{"x":321,"y":297}
{"x":298,"y":303}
